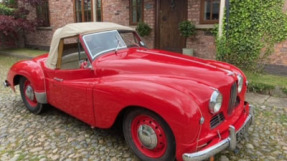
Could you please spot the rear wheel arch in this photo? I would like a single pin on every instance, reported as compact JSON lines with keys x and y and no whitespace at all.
{"x":16,"y":79}
{"x":28,"y":96}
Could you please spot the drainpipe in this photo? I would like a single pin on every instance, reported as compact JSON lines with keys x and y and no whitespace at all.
{"x":221,"y":15}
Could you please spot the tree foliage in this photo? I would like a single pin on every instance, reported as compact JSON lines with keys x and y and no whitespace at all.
{"x":254,"y":27}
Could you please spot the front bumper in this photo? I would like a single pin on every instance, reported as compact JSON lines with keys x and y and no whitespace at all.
{"x":230,"y":142}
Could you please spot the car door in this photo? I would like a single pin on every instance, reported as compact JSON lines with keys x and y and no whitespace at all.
{"x":69,"y":86}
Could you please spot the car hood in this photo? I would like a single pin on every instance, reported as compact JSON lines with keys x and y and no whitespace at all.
{"x":163,"y":63}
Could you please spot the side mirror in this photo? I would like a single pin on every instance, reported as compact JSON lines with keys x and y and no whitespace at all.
{"x":142,"y":43}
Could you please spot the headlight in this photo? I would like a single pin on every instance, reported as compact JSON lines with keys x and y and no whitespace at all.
{"x":215,"y":102}
{"x":240,"y":83}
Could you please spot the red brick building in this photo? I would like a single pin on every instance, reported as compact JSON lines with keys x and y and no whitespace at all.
{"x":163,"y":16}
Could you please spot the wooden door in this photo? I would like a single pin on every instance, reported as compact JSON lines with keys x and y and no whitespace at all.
{"x":169,"y":14}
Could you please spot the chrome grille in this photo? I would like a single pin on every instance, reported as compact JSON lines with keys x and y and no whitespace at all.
{"x":233,"y":98}
{"x":216,"y":120}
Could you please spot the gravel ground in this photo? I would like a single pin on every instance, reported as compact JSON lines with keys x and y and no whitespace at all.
{"x":54,"y":135}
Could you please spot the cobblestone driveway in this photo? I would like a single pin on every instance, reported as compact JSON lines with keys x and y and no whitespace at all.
{"x":56,"y":136}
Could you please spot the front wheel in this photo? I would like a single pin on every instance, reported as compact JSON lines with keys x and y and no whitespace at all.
{"x":149,"y":136}
{"x":28,"y":96}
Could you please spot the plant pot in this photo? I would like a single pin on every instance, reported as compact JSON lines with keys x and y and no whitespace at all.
{"x":187,"y":51}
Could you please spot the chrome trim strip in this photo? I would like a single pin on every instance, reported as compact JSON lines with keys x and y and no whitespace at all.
{"x":211,"y":151}
{"x":41,"y":97}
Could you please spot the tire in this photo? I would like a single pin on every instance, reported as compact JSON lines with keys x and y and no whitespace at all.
{"x":28,"y":96}
{"x":149,"y":136}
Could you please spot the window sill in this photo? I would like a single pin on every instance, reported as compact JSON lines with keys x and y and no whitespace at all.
{"x":205,"y":27}
{"x":44,"y":28}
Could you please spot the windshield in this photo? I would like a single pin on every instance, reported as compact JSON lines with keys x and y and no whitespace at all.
{"x":103,"y":42}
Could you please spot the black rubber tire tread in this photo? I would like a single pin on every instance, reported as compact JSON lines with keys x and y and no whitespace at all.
{"x":39,"y":107}
{"x":171,"y":147}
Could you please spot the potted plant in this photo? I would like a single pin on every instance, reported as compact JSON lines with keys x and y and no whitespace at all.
{"x":143,"y":29}
{"x":187,"y":29}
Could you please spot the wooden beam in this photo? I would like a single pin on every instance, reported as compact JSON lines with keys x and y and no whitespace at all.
{"x":60,"y":53}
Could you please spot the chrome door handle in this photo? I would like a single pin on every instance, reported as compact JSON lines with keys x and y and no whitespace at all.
{"x":58,"y":79}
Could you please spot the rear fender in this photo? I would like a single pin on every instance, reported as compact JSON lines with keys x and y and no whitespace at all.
{"x":33,"y":72}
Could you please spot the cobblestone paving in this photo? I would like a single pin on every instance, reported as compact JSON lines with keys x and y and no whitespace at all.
{"x":54,"y":135}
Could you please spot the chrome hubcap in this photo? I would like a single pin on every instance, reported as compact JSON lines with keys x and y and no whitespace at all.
{"x":147,"y":136}
{"x":29,"y":92}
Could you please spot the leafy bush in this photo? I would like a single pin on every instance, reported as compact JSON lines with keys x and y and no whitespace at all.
{"x":253,"y":29}
{"x":186,"y":28}
{"x":143,"y":29}
{"x":4,"y":10}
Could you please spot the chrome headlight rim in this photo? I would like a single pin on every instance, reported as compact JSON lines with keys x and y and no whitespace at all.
{"x":215,"y":102}
{"x":239,"y":83}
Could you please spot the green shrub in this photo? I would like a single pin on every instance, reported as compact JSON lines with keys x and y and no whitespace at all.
{"x":186,"y":28}
{"x":143,"y":29}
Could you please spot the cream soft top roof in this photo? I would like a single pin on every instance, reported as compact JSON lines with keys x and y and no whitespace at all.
{"x":75,"y":29}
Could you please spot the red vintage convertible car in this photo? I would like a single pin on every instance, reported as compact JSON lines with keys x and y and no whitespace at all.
{"x":171,"y":106}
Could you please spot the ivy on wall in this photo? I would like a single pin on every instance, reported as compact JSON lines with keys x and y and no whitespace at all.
{"x":253,"y":29}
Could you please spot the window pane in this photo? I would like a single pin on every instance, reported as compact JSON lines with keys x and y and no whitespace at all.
{"x":215,"y":10}
{"x":78,"y":11}
{"x":207,"y":9}
{"x":42,"y":11}
{"x":139,"y":13}
{"x":99,"y":10}
{"x":136,"y":11}
{"x":134,"y":15}
{"x":88,"y":10}
{"x":103,"y":42}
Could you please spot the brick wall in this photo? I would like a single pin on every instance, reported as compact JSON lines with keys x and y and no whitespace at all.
{"x":61,"y":13}
{"x":279,"y":55}
{"x":203,"y":43}
{"x":116,"y":11}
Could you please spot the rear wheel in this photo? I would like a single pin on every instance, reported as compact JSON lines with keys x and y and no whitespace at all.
{"x":149,"y":136}
{"x":28,"y":96}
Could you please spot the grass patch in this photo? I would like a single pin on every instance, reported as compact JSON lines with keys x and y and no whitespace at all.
{"x":263,"y":83}
{"x":7,"y":61}
{"x":283,"y":118}
{"x":25,"y":52}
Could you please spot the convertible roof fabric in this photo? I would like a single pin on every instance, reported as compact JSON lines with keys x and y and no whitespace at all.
{"x":75,"y":29}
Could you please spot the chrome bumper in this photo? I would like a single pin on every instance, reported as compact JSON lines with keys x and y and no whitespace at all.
{"x":6,"y":83}
{"x":230,"y":142}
